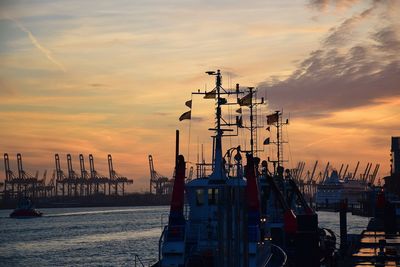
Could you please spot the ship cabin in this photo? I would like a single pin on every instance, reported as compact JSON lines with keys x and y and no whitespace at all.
{"x":216,"y":210}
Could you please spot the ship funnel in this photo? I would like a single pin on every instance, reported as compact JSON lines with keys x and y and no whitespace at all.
{"x":252,"y":188}
{"x":253,"y":201}
{"x":176,"y":212}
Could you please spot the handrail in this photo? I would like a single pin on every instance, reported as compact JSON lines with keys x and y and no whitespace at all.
{"x":283,"y":253}
{"x":296,"y":190}
{"x":160,"y":242}
{"x":138,"y":260}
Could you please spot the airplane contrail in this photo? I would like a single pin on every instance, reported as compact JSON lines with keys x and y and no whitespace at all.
{"x":36,"y":43}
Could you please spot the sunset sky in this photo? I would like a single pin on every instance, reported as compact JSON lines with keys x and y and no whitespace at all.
{"x":112,"y":77}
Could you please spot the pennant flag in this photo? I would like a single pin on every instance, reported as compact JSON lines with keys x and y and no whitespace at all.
{"x":245,"y":101}
{"x":188,"y":103}
{"x":222,"y":101}
{"x":266,"y":141}
{"x":239,"y":121}
{"x":271,"y":119}
{"x":186,"y":116}
{"x":268,"y":129}
{"x":239,"y":111}
{"x":211,"y":94}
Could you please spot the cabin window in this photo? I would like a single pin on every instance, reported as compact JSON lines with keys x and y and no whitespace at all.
{"x":212,"y":196}
{"x":200,"y":197}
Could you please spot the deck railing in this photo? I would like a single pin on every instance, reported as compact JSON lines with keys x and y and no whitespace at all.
{"x":138,"y":261}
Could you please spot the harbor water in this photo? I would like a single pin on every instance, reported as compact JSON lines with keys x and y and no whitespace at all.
{"x":99,"y":236}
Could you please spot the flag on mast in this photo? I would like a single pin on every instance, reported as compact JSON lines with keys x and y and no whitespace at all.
{"x":266,"y":141}
{"x":239,"y":111}
{"x":188,"y":103}
{"x":239,"y":121}
{"x":273,"y":118}
{"x":246,"y":100}
{"x":186,"y":116}
{"x":211,"y":94}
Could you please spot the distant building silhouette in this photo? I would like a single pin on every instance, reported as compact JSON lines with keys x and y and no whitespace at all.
{"x":395,"y":160}
{"x":392,"y":182}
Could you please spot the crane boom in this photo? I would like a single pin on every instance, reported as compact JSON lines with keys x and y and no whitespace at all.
{"x":325,"y":172}
{"x":91,"y":163}
{"x":341,"y":168}
{"x":58,"y":166}
{"x":7,"y":167}
{"x":20,"y":169}
{"x":355,"y":171}
{"x":111,"y":168}
{"x":82,"y":165}
{"x":71,"y":172}
{"x":345,"y":171}
{"x":313,"y":172}
{"x":367,"y":174}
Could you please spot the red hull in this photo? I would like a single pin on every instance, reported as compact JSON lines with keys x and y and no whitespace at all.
{"x":25,"y":213}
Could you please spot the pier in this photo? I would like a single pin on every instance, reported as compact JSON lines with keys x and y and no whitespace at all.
{"x":378,"y":244}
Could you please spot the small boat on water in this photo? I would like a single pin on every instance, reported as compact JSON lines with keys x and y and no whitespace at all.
{"x":293,"y":224}
{"x":25,"y":209}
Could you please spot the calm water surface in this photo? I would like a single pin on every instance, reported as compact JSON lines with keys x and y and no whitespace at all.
{"x":98,"y":236}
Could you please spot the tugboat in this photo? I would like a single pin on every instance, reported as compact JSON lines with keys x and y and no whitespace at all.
{"x":223,"y":225}
{"x":25,"y":209}
{"x":292,"y":222}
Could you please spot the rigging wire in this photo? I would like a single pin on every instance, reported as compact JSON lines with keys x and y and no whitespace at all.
{"x":190,"y":127}
{"x":230,"y":108}
{"x":256,"y":123}
{"x":288,"y":142}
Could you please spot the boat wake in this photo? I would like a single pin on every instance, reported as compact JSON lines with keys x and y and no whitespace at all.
{"x":83,"y":213}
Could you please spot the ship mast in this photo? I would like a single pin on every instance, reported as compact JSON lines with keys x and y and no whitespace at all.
{"x":218,"y":172}
{"x":251,"y":122}
{"x":250,"y":101}
{"x":279,"y":138}
{"x":275,"y":119}
{"x":218,"y":163}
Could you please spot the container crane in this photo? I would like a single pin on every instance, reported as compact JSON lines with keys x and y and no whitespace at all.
{"x":159,"y":184}
{"x":84,"y":178}
{"x":99,"y":181}
{"x":116,"y":181}
{"x":60,"y":177}
{"x":72,"y":185}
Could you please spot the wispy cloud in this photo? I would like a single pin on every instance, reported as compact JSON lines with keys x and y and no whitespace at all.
{"x":339,"y":4}
{"x":388,"y":40}
{"x":344,"y":73}
{"x":341,"y":34}
{"x":46,"y":52}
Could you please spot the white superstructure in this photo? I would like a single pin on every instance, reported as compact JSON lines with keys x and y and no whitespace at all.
{"x":334,"y":190}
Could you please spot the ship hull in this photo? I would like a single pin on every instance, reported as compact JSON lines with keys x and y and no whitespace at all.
{"x":25,"y":214}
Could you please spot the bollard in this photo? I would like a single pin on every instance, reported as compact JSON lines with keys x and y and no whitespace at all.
{"x":343,"y":227}
{"x":306,"y":242}
{"x":389,"y":219}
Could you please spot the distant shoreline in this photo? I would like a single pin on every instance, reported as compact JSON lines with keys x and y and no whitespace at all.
{"x":135,"y":199}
